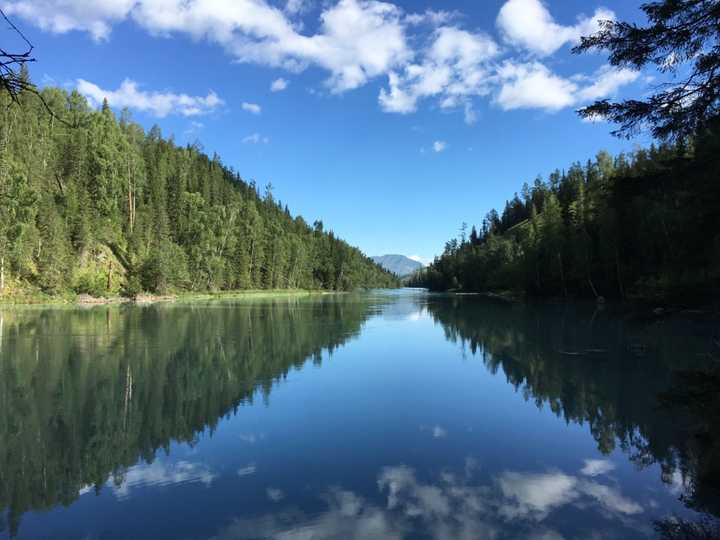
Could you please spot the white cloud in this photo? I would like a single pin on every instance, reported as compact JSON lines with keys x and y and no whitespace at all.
{"x":356,"y":41}
{"x":247,"y":470}
{"x":452,"y":506}
{"x":535,"y":495}
{"x":162,"y":474}
{"x":294,"y":7}
{"x":274,"y":494}
{"x":278,"y":85}
{"x":532,"y":85}
{"x":596,"y":467}
{"x":431,"y":17}
{"x":607,"y":81}
{"x":96,"y":17}
{"x":159,"y":104}
{"x":255,"y":138}
{"x":253,"y":108}
{"x":528,"y":24}
{"x":455,"y":68}
{"x":425,"y":56}
{"x":610,"y":498}
{"x":439,"y":146}
{"x":470,"y":114}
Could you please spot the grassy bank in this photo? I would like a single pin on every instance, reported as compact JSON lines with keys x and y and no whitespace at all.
{"x":30,"y":298}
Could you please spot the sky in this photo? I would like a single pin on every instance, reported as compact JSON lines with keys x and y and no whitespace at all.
{"x":393,"y":122}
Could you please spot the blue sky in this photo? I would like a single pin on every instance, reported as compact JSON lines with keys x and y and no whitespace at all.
{"x":391,"y":122}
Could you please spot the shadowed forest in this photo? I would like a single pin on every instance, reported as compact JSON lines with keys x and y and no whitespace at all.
{"x":642,"y":225}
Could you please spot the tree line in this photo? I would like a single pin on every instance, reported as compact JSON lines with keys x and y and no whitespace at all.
{"x":93,"y":204}
{"x":642,"y":224}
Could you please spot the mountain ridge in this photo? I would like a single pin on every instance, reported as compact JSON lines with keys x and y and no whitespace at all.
{"x":400,"y":265}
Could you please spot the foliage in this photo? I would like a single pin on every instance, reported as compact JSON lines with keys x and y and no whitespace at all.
{"x":93,"y":204}
{"x":642,"y":225}
{"x":682,"y":37}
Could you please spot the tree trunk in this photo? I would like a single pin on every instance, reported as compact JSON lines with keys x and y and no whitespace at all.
{"x":2,"y":274}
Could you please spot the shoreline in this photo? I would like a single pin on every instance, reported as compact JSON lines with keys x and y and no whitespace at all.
{"x":85,"y":300}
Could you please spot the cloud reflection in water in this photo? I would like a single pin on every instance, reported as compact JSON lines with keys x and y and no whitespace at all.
{"x":510,"y":505}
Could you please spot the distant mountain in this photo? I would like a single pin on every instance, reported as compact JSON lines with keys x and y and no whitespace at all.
{"x":399,"y":265}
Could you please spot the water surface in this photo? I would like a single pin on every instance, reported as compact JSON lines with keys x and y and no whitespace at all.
{"x":378,"y":415}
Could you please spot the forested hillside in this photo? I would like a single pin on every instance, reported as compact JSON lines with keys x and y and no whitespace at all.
{"x":93,"y":204}
{"x":640,"y":225}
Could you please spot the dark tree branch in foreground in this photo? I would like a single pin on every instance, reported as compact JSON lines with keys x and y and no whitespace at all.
{"x":11,"y":64}
{"x":12,"y":78}
{"x":682,"y":39}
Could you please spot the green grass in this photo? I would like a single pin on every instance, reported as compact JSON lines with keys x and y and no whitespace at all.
{"x":37,"y":298}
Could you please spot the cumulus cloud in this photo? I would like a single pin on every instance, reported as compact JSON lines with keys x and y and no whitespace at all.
{"x":607,"y":81}
{"x":439,"y":146}
{"x":275,"y":494}
{"x":357,"y":39}
{"x":532,"y":85}
{"x":253,"y":108}
{"x":278,"y":85}
{"x":159,"y":104}
{"x":535,"y":494}
{"x":96,"y":18}
{"x":431,"y":17}
{"x":255,"y":138}
{"x":596,"y":467}
{"x":162,"y":474}
{"x":294,"y":7}
{"x":426,"y":56}
{"x":455,"y":68}
{"x":528,"y":24}
{"x":453,"y":505}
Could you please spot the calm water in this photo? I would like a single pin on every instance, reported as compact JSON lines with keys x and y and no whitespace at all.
{"x":381,"y":415}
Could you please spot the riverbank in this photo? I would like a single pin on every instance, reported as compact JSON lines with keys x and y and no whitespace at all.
{"x":636,"y":307}
{"x":41,"y":299}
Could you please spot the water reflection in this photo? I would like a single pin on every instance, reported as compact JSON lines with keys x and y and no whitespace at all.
{"x":85,"y":394}
{"x":453,"y":505}
{"x":96,"y":402}
{"x":651,"y":386}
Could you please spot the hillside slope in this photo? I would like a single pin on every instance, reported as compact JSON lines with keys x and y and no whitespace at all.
{"x":93,"y":204}
{"x":400,"y":265}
